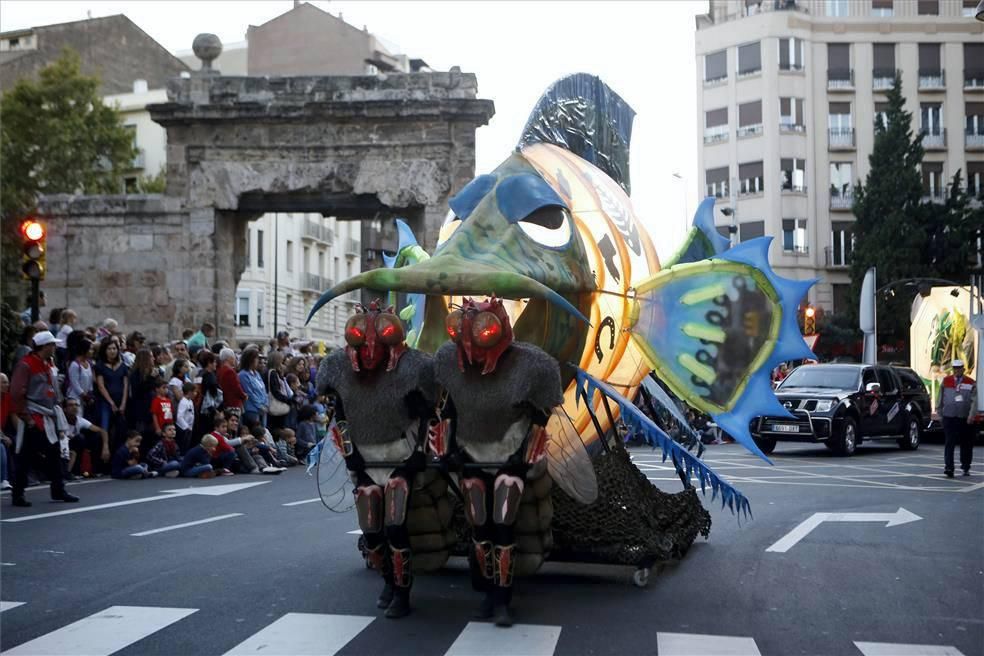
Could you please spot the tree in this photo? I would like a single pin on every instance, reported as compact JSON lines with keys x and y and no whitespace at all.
{"x":889,"y":230}
{"x":56,"y":136}
{"x":952,"y":228}
{"x":153,"y":184}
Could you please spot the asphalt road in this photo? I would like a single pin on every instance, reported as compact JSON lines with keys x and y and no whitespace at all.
{"x":274,"y":578}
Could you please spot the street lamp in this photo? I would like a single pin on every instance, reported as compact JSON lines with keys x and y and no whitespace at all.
{"x":731,"y":213}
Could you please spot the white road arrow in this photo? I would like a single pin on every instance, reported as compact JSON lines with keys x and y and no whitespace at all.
{"x":788,"y":541}
{"x":211,"y":490}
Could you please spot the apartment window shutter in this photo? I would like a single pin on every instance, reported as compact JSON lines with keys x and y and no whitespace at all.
{"x":929,"y":57}
{"x":750,"y":113}
{"x":838,"y":56}
{"x":749,"y":57}
{"x":716,"y":117}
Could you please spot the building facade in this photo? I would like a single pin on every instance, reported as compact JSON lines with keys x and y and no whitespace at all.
{"x":788,"y":92}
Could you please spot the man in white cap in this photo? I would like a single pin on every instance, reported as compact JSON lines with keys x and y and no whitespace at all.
{"x":953,"y":405}
{"x":34,"y":398}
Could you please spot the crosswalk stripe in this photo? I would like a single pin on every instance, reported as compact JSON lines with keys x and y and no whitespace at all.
{"x":105,"y":632}
{"x":484,"y":638}
{"x":175,"y":527}
{"x":896,"y":649}
{"x":304,"y":634}
{"x":7,"y":605}
{"x":696,"y":644}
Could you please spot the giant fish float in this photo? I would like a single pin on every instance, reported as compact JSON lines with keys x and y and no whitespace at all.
{"x":552,"y":229}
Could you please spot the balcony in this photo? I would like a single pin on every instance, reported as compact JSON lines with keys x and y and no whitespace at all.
{"x":796,"y":250}
{"x":841,"y":199}
{"x":882,"y":79}
{"x":352,"y":297}
{"x":932,"y":80}
{"x":716,"y":134}
{"x":312,"y":282}
{"x":751,"y":187}
{"x":316,"y":232}
{"x":352,"y":247}
{"x":840,"y":138}
{"x":840,"y":79}
{"x":835,"y":259}
{"x":934,"y":139}
{"x":749,"y":130}
{"x":717,"y":189}
{"x":935,"y":195}
{"x":974,"y":79}
{"x":974,"y":141}
{"x":787,"y":125}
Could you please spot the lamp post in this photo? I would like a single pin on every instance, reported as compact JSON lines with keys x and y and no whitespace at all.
{"x":732,"y":213}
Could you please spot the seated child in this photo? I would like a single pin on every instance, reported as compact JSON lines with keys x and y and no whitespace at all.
{"x":249,"y":443}
{"x":197,"y":462}
{"x":165,"y":457}
{"x":285,"y":446}
{"x":307,"y":431}
{"x":126,"y":460}
{"x":266,"y":447}
{"x":224,"y":459}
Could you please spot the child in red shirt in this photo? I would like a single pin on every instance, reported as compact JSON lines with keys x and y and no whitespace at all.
{"x":224,"y":459}
{"x":161,"y":408}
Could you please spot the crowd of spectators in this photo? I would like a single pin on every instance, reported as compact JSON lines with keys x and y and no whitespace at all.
{"x":195,"y":407}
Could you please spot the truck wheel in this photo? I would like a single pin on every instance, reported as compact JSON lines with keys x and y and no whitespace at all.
{"x":913,"y":434}
{"x":845,"y":443}
{"x":766,"y":444}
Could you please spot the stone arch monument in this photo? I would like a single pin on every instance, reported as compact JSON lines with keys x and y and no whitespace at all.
{"x":359,"y":147}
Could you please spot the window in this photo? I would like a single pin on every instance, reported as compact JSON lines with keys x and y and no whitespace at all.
{"x":973,"y":65}
{"x":793,"y":173}
{"x":716,"y":181}
{"x":929,"y":7}
{"x":841,"y":243}
{"x":751,"y":230}
{"x":910,"y":380}
{"x":321,"y":264}
{"x":306,"y":260}
{"x":130,"y":185}
{"x":969,"y":8}
{"x":750,"y":178}
{"x":931,"y":118}
{"x":883,"y":76}
{"x":840,"y":125}
{"x":259,"y":309}
{"x":839,"y":73}
{"x":289,"y":310}
{"x":750,"y":118}
{"x":290,"y":256}
{"x":791,"y":54}
{"x":868,"y":377}
{"x":791,"y":117}
{"x":881,"y":115}
{"x":242,"y":309}
{"x":716,"y":125}
{"x":259,"y":249}
{"x":974,"y":132}
{"x":716,"y":66}
{"x":749,"y":58}
{"x":932,"y":176}
{"x":975,"y":179}
{"x":794,"y":235}
{"x":886,"y":380}
{"x":837,"y":7}
{"x":884,"y":8}
{"x":930,"y":66}
{"x":842,"y":181}
{"x":752,"y":7}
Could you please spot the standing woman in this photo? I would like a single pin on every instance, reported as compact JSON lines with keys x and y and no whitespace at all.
{"x":281,"y":397}
{"x":255,"y":406}
{"x":143,"y":387}
{"x":113,"y":385}
{"x":209,"y":393}
{"x":80,"y":378}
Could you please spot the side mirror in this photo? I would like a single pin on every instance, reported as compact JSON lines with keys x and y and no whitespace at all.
{"x":872,"y":388}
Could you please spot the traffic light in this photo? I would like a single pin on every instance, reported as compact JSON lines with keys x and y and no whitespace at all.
{"x":33,"y":260}
{"x":809,"y":320}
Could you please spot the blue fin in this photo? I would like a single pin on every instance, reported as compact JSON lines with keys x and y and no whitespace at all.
{"x":689,"y":437}
{"x":703,"y":241}
{"x":582,"y":114}
{"x":685,"y":462}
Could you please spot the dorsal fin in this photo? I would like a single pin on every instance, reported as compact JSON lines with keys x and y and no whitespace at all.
{"x":582,"y":114}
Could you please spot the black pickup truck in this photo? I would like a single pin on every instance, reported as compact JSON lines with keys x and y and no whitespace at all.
{"x":843,"y":405}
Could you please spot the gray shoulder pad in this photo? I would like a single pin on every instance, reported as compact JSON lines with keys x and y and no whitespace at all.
{"x":542,"y":374}
{"x":330,"y":370}
{"x":445,"y":362}
{"x":423,"y":364}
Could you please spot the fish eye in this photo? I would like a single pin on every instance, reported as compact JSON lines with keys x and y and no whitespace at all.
{"x":389,"y":329}
{"x":355,"y":330}
{"x":486,"y":330}
{"x":452,"y":323}
{"x":549,"y":226}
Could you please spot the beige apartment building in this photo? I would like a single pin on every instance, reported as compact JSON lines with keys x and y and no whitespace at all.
{"x":788,"y":93}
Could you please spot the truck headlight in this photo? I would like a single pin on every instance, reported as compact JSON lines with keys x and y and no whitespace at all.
{"x":825,"y":406}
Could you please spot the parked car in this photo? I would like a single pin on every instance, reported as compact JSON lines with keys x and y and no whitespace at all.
{"x":845,"y":405}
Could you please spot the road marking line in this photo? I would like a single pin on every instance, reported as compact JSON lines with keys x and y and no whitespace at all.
{"x":303,"y":634}
{"x":788,"y":541}
{"x":971,"y":488}
{"x":301,"y":503}
{"x":894,"y":649}
{"x":486,"y":639}
{"x":105,"y":632}
{"x":695,"y":644}
{"x":355,"y":532}
{"x":175,"y":527}
{"x":7,"y":605}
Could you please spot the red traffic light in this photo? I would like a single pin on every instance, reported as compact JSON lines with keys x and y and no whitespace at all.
{"x":32,"y":230}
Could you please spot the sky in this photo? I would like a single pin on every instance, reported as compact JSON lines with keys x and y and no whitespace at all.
{"x":643,"y":50}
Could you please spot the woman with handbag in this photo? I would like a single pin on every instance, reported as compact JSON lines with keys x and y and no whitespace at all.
{"x":210,"y":394}
{"x":280,"y":395}
{"x":255,"y":405}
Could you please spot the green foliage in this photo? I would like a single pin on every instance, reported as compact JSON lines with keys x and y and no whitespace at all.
{"x":57,"y":136}
{"x":10,"y":330}
{"x":155,"y":184}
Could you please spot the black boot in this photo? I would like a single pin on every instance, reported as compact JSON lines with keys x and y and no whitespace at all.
{"x":485,"y":609}
{"x":504,"y":563}
{"x":502,"y":613}
{"x":386,"y":596}
{"x":21,"y":502}
{"x":67,"y":497}
{"x":400,"y":606}
{"x":402,"y":580}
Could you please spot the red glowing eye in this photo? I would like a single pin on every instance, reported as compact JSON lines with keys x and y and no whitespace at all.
{"x":486,"y":330}
{"x":355,"y":331}
{"x":453,"y":325}
{"x":389,"y":329}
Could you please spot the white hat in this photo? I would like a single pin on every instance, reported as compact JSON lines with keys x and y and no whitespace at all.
{"x":44,"y":338}
{"x":957,"y":363}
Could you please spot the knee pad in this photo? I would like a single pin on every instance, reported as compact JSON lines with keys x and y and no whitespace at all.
{"x":369,"y":506}
{"x":473,"y":491}
{"x":484,"y":554}
{"x":505,"y":500}
{"x":397,"y":496}
{"x":505,"y":565}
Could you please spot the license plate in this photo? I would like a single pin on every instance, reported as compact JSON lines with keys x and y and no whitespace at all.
{"x":786,"y":428}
